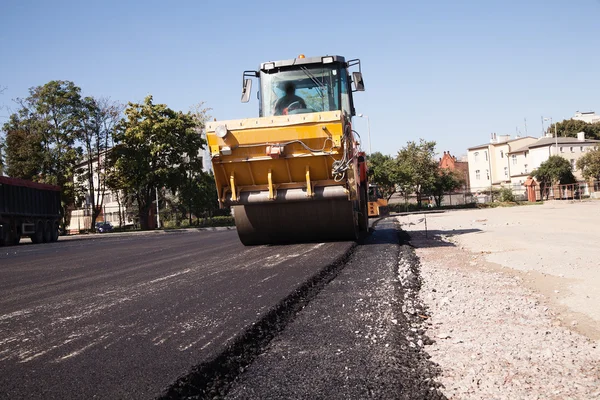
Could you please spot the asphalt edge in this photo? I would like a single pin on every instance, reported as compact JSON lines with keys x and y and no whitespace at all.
{"x":416,"y":313}
{"x":213,"y":378}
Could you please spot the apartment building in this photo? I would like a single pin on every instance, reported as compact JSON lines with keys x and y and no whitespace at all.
{"x":529,"y":157}
{"x":489,"y":163}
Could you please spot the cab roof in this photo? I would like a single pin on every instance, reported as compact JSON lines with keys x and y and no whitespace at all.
{"x":299,"y":61}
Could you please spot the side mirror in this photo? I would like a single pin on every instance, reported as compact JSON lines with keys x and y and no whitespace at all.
{"x":246,"y":90}
{"x":359,"y":84}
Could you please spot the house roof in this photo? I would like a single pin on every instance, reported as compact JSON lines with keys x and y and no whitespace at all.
{"x":481,"y":146}
{"x":547,"y":141}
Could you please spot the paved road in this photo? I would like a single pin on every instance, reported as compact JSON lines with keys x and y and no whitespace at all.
{"x":125,"y":317}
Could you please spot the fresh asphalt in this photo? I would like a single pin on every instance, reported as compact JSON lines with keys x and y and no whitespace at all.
{"x":196,"y":314}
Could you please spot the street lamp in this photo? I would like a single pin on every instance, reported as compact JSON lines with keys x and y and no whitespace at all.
{"x":555,"y":134}
{"x":369,"y":128}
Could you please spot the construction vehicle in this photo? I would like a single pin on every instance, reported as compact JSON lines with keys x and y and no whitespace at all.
{"x":28,"y":209}
{"x":296,"y":173}
{"x":378,"y":206}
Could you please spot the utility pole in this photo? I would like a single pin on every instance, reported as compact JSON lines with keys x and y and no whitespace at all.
{"x":157,"y":211}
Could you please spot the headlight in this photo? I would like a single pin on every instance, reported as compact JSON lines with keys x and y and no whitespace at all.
{"x":221,"y":131}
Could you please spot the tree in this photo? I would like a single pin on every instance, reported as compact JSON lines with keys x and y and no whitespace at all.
{"x":99,"y":118}
{"x":157,"y":147}
{"x":23,"y":150}
{"x":570,"y":128}
{"x":417,"y":167}
{"x":383,"y":171}
{"x":445,"y":181}
{"x":555,"y":170}
{"x":589,"y":164}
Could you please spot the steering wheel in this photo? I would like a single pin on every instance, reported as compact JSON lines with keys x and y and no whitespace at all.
{"x":294,"y":106}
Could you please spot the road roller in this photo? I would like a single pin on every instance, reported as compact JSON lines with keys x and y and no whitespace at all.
{"x":297,"y":172}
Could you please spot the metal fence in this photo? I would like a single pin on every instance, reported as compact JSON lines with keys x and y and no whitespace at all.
{"x":513,"y":192}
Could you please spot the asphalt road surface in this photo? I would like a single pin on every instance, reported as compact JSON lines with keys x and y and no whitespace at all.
{"x":124,"y":317}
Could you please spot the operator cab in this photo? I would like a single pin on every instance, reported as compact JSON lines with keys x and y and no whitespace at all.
{"x":374,"y":192}
{"x":305,"y":85}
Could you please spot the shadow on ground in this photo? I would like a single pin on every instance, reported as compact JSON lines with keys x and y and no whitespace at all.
{"x":433,"y":238}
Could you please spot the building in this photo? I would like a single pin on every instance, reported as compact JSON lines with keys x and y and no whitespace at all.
{"x":590,"y":117}
{"x":112,"y":204}
{"x":488,"y":163}
{"x":461,"y":167}
{"x":527,"y":158}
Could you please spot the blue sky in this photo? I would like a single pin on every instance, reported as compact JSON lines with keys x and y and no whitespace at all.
{"x":452,"y":72}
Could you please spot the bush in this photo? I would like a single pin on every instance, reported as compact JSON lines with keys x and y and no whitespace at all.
{"x":506,"y":195}
{"x":201,"y":223}
{"x":217,"y":221}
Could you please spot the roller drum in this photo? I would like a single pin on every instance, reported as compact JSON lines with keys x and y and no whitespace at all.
{"x":295,"y":222}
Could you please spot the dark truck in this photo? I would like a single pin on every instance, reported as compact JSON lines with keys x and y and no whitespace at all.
{"x":28,"y":209}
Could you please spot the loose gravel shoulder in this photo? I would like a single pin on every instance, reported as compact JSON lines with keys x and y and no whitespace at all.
{"x":494,"y":337}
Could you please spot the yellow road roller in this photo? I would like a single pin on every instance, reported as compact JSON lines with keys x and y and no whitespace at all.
{"x":296,"y":173}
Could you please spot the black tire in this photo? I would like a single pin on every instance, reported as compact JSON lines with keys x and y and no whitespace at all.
{"x":55,"y":231}
{"x":47,"y":232}
{"x":5,"y":236}
{"x":38,"y":236}
{"x":16,"y":237}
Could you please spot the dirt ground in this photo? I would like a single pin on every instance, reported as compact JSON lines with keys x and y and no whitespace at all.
{"x":514,"y":298}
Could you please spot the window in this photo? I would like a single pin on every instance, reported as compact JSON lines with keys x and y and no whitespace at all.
{"x":486,"y":158}
{"x":561,"y":149}
{"x":525,"y":168}
{"x":318,"y":86}
{"x":476,"y":154}
{"x":487,"y":174}
{"x":581,"y":149}
{"x":501,"y":154}
{"x":571,"y":149}
{"x":506,"y":172}
{"x":477,"y":174}
{"x":514,"y":158}
{"x":572,"y":164}
{"x":525,"y":154}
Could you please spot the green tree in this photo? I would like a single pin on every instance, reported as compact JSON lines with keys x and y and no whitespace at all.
{"x":589,"y":164}
{"x":383,"y":171}
{"x":157,"y":147}
{"x":555,"y":170}
{"x":570,"y":128}
{"x":417,"y":168}
{"x":445,"y":181}
{"x":23,"y":150}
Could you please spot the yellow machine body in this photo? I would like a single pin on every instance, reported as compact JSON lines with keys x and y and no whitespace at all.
{"x":279,"y":174}
{"x":377,"y":205}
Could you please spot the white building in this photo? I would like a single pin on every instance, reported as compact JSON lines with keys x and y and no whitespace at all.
{"x":590,"y":117}
{"x":529,"y":157}
{"x":489,"y":163}
{"x":111,"y":204}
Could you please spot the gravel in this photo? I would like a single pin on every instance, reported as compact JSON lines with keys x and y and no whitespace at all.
{"x":493,"y":337}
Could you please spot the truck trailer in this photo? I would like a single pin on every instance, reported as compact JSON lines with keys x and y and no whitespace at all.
{"x":28,"y":209}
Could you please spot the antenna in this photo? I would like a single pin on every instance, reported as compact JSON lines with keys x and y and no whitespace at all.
{"x":525,"y":126}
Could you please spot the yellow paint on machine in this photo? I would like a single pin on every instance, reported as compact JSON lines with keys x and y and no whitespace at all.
{"x":271,"y":152}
